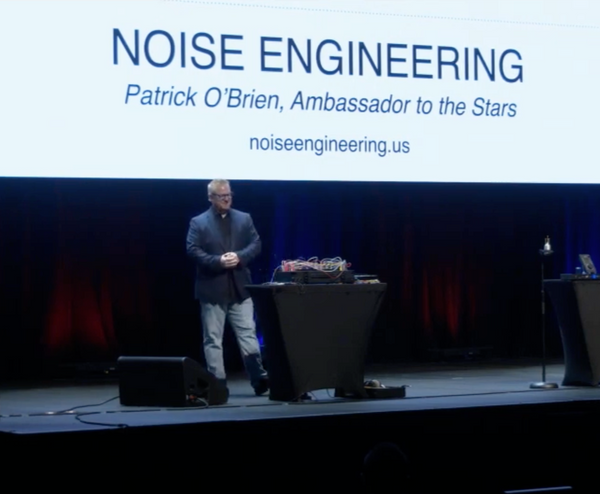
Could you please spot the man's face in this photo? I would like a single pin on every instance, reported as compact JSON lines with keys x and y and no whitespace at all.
{"x":221,"y":198}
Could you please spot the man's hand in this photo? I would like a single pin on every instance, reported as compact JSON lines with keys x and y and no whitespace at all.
{"x":229,"y":260}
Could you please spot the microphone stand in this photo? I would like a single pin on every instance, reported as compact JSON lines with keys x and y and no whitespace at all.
{"x":544,"y":253}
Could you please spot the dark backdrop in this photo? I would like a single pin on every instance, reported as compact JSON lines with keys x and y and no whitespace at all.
{"x":91,"y":269}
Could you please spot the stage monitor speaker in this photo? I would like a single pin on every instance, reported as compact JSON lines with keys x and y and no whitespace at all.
{"x":168,"y":382}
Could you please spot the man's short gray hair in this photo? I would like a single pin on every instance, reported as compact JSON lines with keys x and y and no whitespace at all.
{"x":214,"y":184}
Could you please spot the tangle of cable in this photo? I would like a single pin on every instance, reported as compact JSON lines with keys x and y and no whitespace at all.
{"x":326,"y":265}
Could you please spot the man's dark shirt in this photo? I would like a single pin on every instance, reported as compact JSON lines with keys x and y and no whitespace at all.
{"x":224,"y":223}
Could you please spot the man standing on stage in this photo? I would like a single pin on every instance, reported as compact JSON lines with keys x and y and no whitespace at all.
{"x":222,"y":241}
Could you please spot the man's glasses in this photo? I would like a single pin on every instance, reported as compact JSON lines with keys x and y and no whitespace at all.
{"x":220,"y":197}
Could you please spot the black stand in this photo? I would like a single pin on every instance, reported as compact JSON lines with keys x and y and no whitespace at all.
{"x":316,"y":336}
{"x":543,"y":384}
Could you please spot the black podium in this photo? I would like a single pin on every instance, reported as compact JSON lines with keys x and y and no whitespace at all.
{"x":316,"y":336}
{"x":577,"y":307}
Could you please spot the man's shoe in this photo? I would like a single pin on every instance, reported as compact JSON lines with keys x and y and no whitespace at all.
{"x":262,"y":387}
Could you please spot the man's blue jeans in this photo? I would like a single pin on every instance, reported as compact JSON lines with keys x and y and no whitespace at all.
{"x":241,"y":319}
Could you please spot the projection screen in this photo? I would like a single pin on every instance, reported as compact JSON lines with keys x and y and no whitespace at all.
{"x":400,"y":91}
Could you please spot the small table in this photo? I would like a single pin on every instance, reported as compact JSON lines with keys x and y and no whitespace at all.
{"x":316,"y":336}
{"x":577,"y":307}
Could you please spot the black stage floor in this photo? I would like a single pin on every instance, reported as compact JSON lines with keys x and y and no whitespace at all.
{"x":91,"y":404}
{"x":465,"y":427}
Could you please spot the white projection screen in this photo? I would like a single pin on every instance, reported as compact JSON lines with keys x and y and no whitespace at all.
{"x":395,"y":91}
